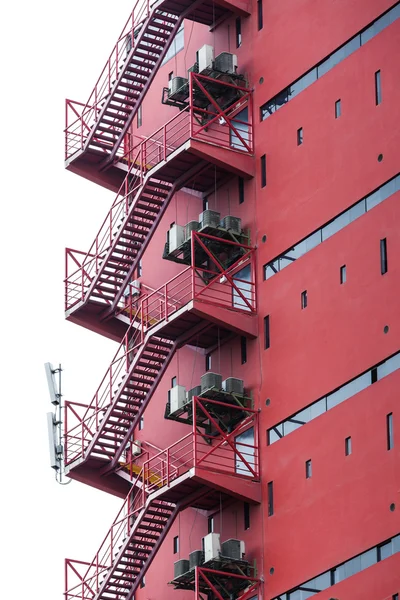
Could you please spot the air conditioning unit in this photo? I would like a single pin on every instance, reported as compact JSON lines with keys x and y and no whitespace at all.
{"x":233,"y":549}
{"x":194,"y":68}
{"x":226,"y":63}
{"x":189,"y":227}
{"x":176,"y":237}
{"x":211,"y":380}
{"x":175,"y":84}
{"x":233,"y":385}
{"x":232,"y":223}
{"x":209,"y":218}
{"x":206,"y":57}
{"x":136,"y":448}
{"x":196,"y":559}
{"x":181,"y":567}
{"x":196,"y":391}
{"x":177,"y":396}
{"x":212,"y":546}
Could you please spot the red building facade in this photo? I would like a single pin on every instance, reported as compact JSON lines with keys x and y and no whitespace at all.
{"x":248,"y":269}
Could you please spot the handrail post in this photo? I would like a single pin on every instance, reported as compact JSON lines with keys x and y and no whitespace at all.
{"x":194,"y":432}
{"x":191,"y":104}
{"x":166,"y":303}
{"x":193,"y":265}
{"x":168,"y":458}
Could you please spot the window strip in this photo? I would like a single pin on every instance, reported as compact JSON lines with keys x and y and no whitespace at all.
{"x":385,"y":191}
{"x":347,"y":49}
{"x":346,"y":391}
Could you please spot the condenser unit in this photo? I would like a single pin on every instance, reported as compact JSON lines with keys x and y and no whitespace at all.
{"x":175,"y":84}
{"x":209,"y":218}
{"x":212,"y":546}
{"x":196,"y":559}
{"x":232,"y":223}
{"x":196,"y":391}
{"x":176,"y":237}
{"x":136,"y":448}
{"x":205,"y":57}
{"x":211,"y":380}
{"x":189,"y":227}
{"x":177,"y":397}
{"x":233,"y":549}
{"x":226,"y":63}
{"x":181,"y":567}
{"x":232,"y":385}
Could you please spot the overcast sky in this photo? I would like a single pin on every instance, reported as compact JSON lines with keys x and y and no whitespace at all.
{"x":50,"y":51}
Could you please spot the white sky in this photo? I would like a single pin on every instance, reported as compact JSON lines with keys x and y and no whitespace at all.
{"x":49,"y":50}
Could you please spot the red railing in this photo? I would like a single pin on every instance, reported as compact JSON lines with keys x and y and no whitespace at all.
{"x":81,"y":269}
{"x":80,"y":117}
{"x":225,"y":289}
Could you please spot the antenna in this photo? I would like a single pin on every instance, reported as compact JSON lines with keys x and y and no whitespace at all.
{"x":54,"y":422}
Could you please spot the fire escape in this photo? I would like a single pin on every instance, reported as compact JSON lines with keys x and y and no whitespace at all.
{"x":211,"y":300}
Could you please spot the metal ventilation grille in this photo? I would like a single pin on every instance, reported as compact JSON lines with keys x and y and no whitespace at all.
{"x":196,"y":391}
{"x":181,"y":567}
{"x":233,"y":385}
{"x":189,"y":227}
{"x":210,"y":218}
{"x":232,"y":223}
{"x":196,"y":559}
{"x":209,"y":380}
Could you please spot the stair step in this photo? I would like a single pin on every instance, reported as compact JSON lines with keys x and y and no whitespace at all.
{"x":166,"y":19}
{"x":123,"y":118}
{"x":119,"y":108}
{"x":101,"y":145}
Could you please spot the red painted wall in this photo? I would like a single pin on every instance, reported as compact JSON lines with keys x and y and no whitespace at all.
{"x":344,"y":508}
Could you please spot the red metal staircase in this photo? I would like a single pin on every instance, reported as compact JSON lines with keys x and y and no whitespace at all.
{"x":95,"y":130}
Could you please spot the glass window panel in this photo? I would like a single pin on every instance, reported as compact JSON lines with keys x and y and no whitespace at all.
{"x":394,"y":13}
{"x":318,"y":408}
{"x":282,"y":98}
{"x":270,"y":269}
{"x":397,"y":179}
{"x":288,"y":427}
{"x":298,"y":250}
{"x":338,"y":574}
{"x":367,"y":35}
{"x":396,"y":544}
{"x":303,"y":415}
{"x":352,"y":566}
{"x":310,"y":77}
{"x":368,"y":559}
{"x":295,"y":595}
{"x":284,"y":261}
{"x":338,"y":56}
{"x":273,"y":434}
{"x":324,"y":67}
{"x":381,"y":23}
{"x":267,"y":110}
{"x":386,"y":550}
{"x":336,"y":225}
{"x":349,"y":390}
{"x":357,"y":210}
{"x":320,"y":583}
{"x":373,"y":199}
{"x":390,"y":365}
{"x":388,"y":189}
{"x":313,"y":240}
{"x":352,"y":45}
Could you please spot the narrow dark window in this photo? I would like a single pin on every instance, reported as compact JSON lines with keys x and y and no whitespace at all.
{"x":243,"y":350}
{"x":343,"y":274}
{"x":308,"y":469}
{"x":208,"y":362}
{"x":205,"y":203}
{"x":378,"y":88}
{"x":140,"y":268}
{"x":173,"y":382}
{"x":395,"y":597}
{"x":210,"y":524}
{"x":238,"y":32}
{"x":270,"y":498}
{"x":300,"y":136}
{"x":374,"y":375}
{"x":304,"y":299}
{"x":263,"y":170}
{"x":170,"y":75}
{"x":176,"y":544}
{"x":389,"y":430}
{"x":143,"y":582}
{"x":338,"y":109}
{"x":260,"y":14}
{"x":241,"y":190}
{"x":266,"y":333}
{"x":246,"y":515}
{"x":347,"y":446}
{"x":141,"y":423}
{"x":139,"y":117}
{"x":383,"y":248}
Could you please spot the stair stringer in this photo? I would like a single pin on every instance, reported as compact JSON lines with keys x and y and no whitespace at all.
{"x":156,"y":13}
{"x":122,"y":388}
